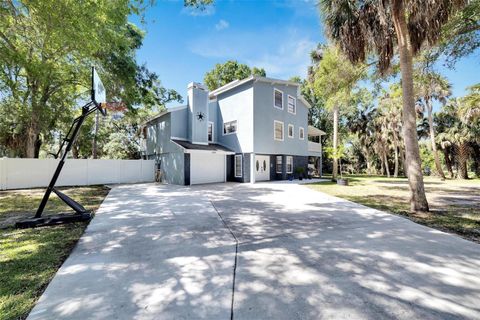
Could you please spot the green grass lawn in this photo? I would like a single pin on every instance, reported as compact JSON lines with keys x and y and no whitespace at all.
{"x":454,"y":204}
{"x":29,"y":258}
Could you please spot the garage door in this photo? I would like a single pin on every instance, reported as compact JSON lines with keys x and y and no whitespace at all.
{"x":207,"y":167}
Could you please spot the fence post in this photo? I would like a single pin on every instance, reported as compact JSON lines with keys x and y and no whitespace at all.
{"x":3,"y":173}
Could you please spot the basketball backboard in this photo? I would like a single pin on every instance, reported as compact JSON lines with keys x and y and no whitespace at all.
{"x":99,"y":94}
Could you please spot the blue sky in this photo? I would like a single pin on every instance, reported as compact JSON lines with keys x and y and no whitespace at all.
{"x":181,"y":45}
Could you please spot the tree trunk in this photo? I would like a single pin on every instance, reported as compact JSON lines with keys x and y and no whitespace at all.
{"x":32,"y":138}
{"x":335,"y":143}
{"x":418,"y":200}
{"x":462,"y":160}
{"x":476,"y":159}
{"x":367,"y":160}
{"x":38,"y":144}
{"x":395,"y":146}
{"x":404,"y":165}
{"x":448,"y":161}
{"x":382,"y":165}
{"x":395,"y":172}
{"x":387,"y":169}
{"x":94,"y":142}
{"x":432,"y":139}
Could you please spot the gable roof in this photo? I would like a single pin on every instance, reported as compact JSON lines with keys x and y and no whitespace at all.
{"x":206,"y":147}
{"x":161,"y":114}
{"x":235,"y":83}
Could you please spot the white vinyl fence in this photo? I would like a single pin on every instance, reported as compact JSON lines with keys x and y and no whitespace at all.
{"x":17,"y":173}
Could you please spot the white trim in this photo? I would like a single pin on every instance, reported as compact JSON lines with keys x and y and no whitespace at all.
{"x":236,"y":83}
{"x":276,"y":164}
{"x":177,"y":108}
{"x":312,"y":131}
{"x":274,"y":90}
{"x":294,"y":104}
{"x":213,"y":131}
{"x":201,"y":143}
{"x":178,"y":138}
{"x":301,"y":136}
{"x":207,"y":151}
{"x":283,"y":130}
{"x":305,"y":102}
{"x":235,"y":166}
{"x":286,"y":164}
{"x":293,"y":131}
{"x":229,"y":133}
{"x":252,"y":167}
{"x":225,"y":169}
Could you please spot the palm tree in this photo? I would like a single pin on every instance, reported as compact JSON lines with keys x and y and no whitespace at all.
{"x":458,"y":134}
{"x":334,"y":78}
{"x":360,"y":123}
{"x":390,"y":106}
{"x":360,"y":27}
{"x":471,"y":104}
{"x":429,"y":86}
{"x":470,"y":113}
{"x":443,"y":121}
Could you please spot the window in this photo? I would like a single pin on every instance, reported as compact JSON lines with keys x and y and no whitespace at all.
{"x":292,"y":104}
{"x":210,"y":132}
{"x":229,"y":127}
{"x":278,"y":130}
{"x":279,"y":164}
{"x":238,"y":166}
{"x":301,"y":133}
{"x":289,"y":164}
{"x":277,"y":99}
{"x":291,"y":131}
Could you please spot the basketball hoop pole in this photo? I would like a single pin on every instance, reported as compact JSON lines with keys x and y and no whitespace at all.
{"x":81,"y":214}
{"x":70,"y":139}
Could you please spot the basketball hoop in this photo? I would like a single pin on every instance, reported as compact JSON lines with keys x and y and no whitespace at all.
{"x":114,"y":106}
{"x":98,"y":102}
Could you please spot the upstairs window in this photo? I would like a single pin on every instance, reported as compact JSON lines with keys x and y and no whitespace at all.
{"x":210,"y":132}
{"x":289,"y":164}
{"x":278,"y":130}
{"x":292,"y":104}
{"x":229,"y":127}
{"x":279,"y":164}
{"x":277,"y":99}
{"x":291,"y":130}
{"x":301,"y":133}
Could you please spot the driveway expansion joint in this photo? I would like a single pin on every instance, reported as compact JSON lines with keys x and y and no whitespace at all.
{"x":235,"y":261}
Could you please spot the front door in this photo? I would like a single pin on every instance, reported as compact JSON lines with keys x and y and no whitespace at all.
{"x":262,"y":168}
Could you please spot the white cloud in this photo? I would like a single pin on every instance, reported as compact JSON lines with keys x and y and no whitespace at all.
{"x":199,"y":12}
{"x":283,"y":53}
{"x":222,"y":24}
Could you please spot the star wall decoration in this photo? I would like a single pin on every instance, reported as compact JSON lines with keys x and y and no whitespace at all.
{"x":200,"y":116}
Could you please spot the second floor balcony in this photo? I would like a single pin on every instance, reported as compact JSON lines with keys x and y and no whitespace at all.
{"x":314,"y":139}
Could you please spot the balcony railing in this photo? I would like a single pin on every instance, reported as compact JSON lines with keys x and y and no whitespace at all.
{"x":314,"y":146}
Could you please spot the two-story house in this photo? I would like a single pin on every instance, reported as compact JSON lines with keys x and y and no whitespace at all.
{"x":249,"y":130}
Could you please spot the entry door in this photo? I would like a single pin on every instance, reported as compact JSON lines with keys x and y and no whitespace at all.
{"x":262,"y":168}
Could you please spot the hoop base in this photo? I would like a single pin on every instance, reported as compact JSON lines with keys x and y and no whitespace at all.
{"x":53,"y":220}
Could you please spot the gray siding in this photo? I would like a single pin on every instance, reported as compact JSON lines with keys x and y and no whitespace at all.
{"x":172,"y":166}
{"x":162,"y":149}
{"x":237,"y":104}
{"x":213,"y":117}
{"x":265,"y":114}
{"x":179,"y":120}
{"x":197,"y":103}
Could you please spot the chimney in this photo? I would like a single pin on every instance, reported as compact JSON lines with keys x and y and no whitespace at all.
{"x":197,"y":113}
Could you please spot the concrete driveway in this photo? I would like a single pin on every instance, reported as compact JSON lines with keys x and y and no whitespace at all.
{"x":272,"y":250}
